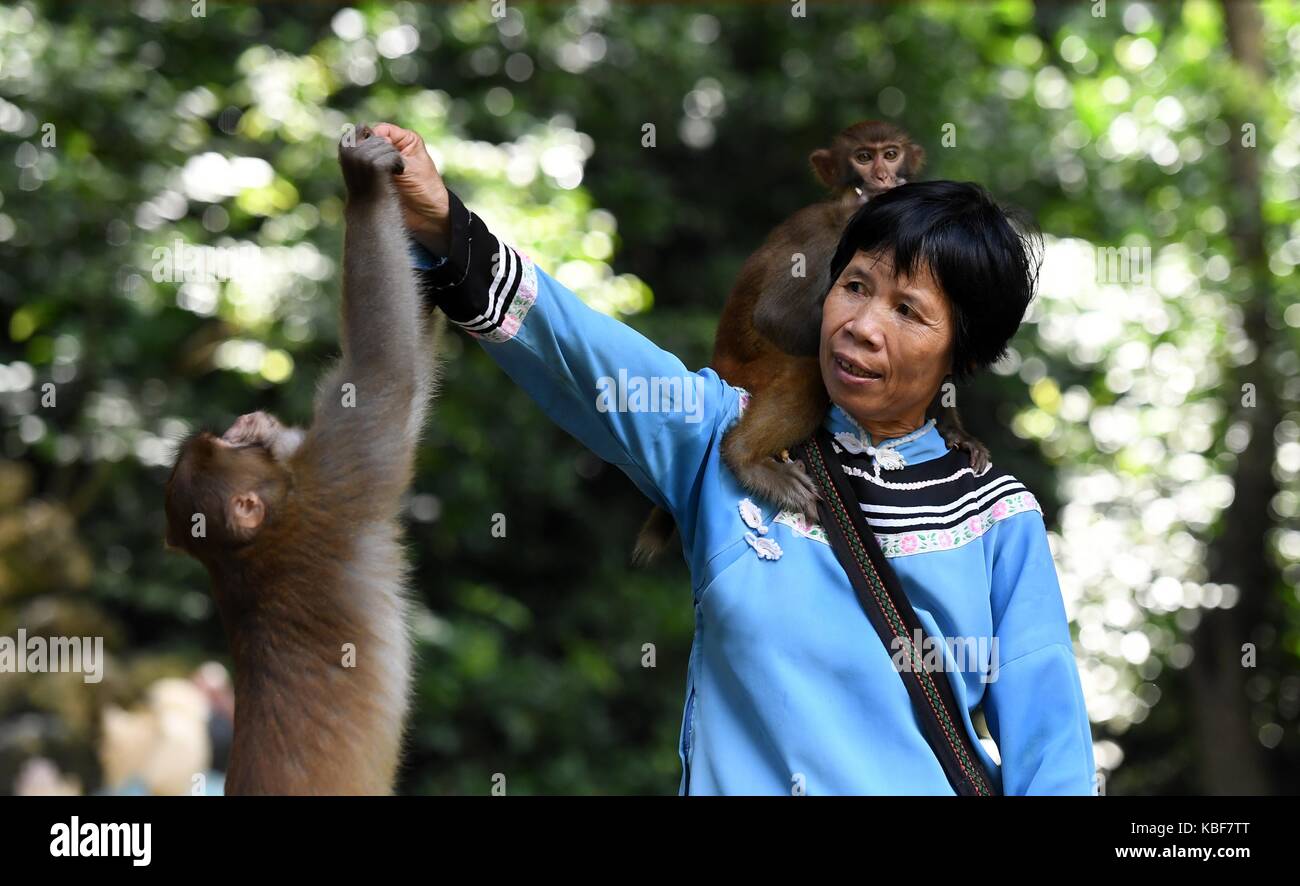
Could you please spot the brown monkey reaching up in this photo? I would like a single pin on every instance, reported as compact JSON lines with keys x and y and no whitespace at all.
{"x":298,"y":529}
{"x":770,"y":326}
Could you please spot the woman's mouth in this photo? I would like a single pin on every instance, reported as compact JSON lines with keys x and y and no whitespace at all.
{"x":856,"y":374}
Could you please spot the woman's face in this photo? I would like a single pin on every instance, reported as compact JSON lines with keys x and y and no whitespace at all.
{"x":896,"y":337}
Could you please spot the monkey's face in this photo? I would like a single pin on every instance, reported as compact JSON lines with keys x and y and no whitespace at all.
{"x":870,"y":157}
{"x":886,"y":343}
{"x":879,"y":166}
{"x":222,"y":491}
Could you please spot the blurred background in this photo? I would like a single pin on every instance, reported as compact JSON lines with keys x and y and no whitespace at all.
{"x":1150,"y":401}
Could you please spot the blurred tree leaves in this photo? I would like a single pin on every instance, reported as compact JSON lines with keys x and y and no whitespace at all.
{"x":220,"y":132}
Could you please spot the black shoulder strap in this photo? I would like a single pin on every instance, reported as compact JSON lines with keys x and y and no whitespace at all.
{"x":893,"y":617}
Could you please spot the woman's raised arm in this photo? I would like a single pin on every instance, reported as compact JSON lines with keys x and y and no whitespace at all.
{"x":634,"y":404}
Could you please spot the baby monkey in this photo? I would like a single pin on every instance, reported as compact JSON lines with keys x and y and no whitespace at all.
{"x":298,"y":528}
{"x":770,"y":328}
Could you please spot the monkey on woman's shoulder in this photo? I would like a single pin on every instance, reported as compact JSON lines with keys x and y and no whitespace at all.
{"x":769,"y":331}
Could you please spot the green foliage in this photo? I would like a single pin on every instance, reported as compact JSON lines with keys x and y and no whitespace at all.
{"x":221,"y":131}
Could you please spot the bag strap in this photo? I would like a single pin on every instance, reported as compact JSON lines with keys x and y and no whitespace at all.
{"x":891,"y":613}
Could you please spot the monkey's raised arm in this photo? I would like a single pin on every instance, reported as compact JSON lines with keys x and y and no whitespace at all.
{"x":632,"y":403}
{"x":370,"y":409}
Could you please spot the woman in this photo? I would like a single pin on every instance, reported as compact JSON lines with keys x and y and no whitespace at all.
{"x":789,"y":690}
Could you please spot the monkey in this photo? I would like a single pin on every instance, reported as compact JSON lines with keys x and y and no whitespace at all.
{"x":298,"y":529}
{"x":770,"y":328}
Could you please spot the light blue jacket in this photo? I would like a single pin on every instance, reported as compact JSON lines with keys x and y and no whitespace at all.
{"x":789,"y":688}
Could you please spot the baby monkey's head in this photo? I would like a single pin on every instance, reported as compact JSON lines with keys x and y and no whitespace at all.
{"x":223,"y":491}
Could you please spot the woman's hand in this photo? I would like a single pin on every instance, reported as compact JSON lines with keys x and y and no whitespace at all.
{"x":426,"y":209}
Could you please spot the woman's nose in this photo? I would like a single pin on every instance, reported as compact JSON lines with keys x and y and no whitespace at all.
{"x":865,"y":324}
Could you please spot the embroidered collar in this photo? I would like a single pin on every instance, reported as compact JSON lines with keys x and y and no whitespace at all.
{"x":921,"y":444}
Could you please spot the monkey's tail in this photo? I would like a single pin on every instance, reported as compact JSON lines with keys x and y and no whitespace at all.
{"x":655,"y":537}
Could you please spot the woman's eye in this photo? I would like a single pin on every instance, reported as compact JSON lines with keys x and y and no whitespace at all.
{"x":907,"y":310}
{"x":856,"y":286}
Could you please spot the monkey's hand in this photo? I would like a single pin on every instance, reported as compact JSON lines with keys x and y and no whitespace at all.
{"x":784,"y":482}
{"x":368,"y":161}
{"x":258,"y":428}
{"x":806,"y":496}
{"x":979,"y":453}
{"x":264,"y":429}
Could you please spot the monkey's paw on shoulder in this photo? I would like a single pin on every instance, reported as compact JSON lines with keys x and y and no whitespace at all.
{"x":367,"y":158}
{"x":787,"y":484}
{"x":979,"y":453}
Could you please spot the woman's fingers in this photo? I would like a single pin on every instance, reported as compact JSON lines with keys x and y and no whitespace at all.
{"x":407,"y":142}
{"x":420,"y":170}
{"x":425,"y":205}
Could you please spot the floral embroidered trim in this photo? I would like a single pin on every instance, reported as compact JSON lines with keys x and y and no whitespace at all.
{"x":904,"y":544}
{"x":799,"y":524}
{"x":524,"y":298}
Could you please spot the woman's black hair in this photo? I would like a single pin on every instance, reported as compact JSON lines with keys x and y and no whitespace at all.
{"x":986,"y":258}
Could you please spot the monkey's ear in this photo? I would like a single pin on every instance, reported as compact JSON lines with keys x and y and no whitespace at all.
{"x":823,"y":164}
{"x":245,"y":513}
